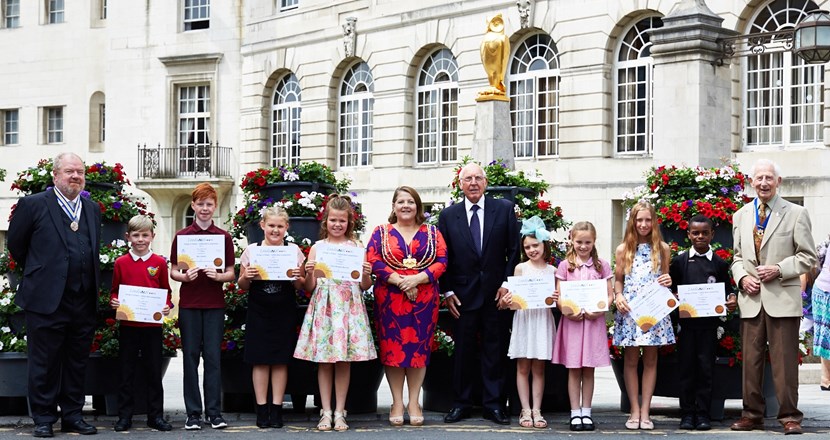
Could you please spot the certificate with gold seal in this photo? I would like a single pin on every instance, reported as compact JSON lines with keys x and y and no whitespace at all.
{"x":339,"y":262}
{"x":701,"y":300}
{"x":202,"y":251}
{"x":532,"y":291}
{"x":274,"y":262}
{"x":588,"y":295}
{"x":141,"y":304}
{"x":653,"y":304}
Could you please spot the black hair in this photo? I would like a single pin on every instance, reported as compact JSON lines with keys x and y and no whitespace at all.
{"x":700,"y":218}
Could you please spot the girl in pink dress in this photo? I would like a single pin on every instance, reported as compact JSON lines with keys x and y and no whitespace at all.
{"x":581,"y":344}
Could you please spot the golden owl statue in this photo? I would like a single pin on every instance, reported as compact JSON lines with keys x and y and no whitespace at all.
{"x":495,"y":53}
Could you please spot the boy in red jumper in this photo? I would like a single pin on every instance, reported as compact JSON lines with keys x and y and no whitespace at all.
{"x":140,"y":268}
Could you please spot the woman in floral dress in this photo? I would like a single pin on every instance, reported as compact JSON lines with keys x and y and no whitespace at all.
{"x":642,"y":258}
{"x":407,"y":258}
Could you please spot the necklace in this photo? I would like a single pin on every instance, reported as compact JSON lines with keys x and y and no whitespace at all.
{"x":409,"y":262}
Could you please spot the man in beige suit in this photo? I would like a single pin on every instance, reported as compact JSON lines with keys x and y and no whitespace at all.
{"x":773,"y":246}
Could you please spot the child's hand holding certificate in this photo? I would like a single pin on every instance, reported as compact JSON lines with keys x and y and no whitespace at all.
{"x":532,"y":292}
{"x":653,"y":304}
{"x":700,"y":300}
{"x":588,"y":295}
{"x":340,"y":262}
{"x":274,"y":262}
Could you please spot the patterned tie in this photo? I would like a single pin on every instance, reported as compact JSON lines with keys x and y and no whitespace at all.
{"x":475,"y":228}
{"x":759,"y":229}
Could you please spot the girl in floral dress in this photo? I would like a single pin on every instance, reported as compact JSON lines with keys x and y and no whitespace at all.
{"x":335,"y":329}
{"x":642,"y":258}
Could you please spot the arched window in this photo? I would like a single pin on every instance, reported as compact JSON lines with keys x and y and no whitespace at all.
{"x":533,"y":86}
{"x":355,"y":119}
{"x":437,"y":126}
{"x":285,"y":122}
{"x":633,"y":86}
{"x":784,"y":95}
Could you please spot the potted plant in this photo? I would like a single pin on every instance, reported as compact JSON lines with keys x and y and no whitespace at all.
{"x":275,"y":182}
{"x":10,"y":268}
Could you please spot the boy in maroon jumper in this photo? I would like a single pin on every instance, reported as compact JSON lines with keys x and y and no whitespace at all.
{"x":202,"y":313}
{"x":141,"y":268}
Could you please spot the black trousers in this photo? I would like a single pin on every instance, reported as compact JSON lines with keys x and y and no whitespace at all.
{"x":492,"y":327}
{"x":140,"y":348}
{"x":696,"y":347}
{"x":58,"y":353}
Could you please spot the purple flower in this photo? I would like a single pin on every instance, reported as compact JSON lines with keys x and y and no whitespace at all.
{"x":102,"y":171}
{"x":724,"y":190}
{"x":85,"y":194}
{"x":352,"y":194}
{"x":116,"y":205}
{"x":231,"y":345}
{"x":689,"y":203}
{"x":736,"y":188}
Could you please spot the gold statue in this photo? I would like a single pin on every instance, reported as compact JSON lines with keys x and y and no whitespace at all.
{"x":495,"y":53}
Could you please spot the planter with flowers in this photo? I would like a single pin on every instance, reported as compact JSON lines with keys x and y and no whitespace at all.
{"x":11,"y":269}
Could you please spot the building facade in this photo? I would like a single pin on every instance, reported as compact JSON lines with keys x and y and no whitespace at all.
{"x":384,"y":92}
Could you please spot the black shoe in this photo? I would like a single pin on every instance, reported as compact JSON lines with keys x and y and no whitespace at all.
{"x":703,"y":423}
{"x":587,"y":423}
{"x":497,"y":416}
{"x":576,"y":426}
{"x":43,"y":430}
{"x":687,"y":422}
{"x":262,"y":416}
{"x":456,"y":415}
{"x":159,"y":424}
{"x":123,"y":424}
{"x":78,"y":426}
{"x":275,"y":416}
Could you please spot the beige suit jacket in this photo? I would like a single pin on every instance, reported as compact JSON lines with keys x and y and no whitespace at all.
{"x":787,"y":243}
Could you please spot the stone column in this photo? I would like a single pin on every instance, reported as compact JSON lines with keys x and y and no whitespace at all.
{"x":492,"y":137}
{"x":692,"y":92}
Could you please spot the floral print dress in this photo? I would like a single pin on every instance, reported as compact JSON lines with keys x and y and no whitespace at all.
{"x":626,"y":331}
{"x":336,"y":327}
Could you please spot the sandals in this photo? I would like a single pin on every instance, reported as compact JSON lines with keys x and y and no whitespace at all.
{"x":587,"y":423}
{"x":647,"y":425}
{"x":538,"y":420}
{"x":632,"y":424}
{"x":395,"y":420}
{"x":340,"y":424}
{"x":417,"y":420}
{"x":325,"y":420}
{"x":526,"y":418}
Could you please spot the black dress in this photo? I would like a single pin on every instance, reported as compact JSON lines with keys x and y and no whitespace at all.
{"x":271,"y":325}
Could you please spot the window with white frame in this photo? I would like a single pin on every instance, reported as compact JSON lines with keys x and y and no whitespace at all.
{"x":285,"y":122}
{"x":533,"y":87}
{"x":102,"y":113}
{"x":11,"y":13}
{"x":437,"y":109}
{"x":103,"y":11}
{"x":194,"y":129}
{"x":633,"y":88}
{"x":54,"y":11}
{"x":783,"y":101}
{"x":355,"y":117}
{"x":288,"y":4}
{"x":54,"y":125}
{"x":9,"y":126}
{"x":196,"y":14}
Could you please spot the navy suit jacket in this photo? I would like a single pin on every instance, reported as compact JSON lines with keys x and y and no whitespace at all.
{"x":38,"y":239}
{"x":476,"y":278}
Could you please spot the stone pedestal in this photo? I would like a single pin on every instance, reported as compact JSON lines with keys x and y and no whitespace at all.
{"x":692,"y":91}
{"x":493,"y":138}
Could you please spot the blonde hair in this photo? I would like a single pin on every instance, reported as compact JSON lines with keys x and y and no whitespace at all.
{"x":571,"y":254}
{"x":273,"y":211}
{"x":630,"y":239}
{"x":340,"y":203}
{"x":140,"y":223}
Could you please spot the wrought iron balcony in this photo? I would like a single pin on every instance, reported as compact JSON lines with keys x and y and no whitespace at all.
{"x":196,"y":161}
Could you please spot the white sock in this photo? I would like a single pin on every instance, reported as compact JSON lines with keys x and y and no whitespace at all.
{"x":576,"y":413}
{"x":586,"y":412}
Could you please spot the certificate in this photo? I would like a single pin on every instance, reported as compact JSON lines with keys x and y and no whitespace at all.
{"x":141,"y":304}
{"x":202,"y":251}
{"x":590,"y":295}
{"x":532,"y":292}
{"x":339,"y":262}
{"x":699,"y":300}
{"x":274,"y":262}
{"x":654,"y":303}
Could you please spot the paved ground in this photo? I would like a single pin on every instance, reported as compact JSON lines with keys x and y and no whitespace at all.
{"x":813,"y":402}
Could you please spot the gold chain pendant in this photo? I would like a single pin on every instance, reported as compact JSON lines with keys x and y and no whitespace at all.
{"x":409,"y":262}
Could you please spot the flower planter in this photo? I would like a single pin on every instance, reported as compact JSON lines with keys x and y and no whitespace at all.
{"x":105,"y":282}
{"x":509,"y":192}
{"x":103,"y":376}
{"x":13,"y":374}
{"x":17,"y":321}
{"x":365,"y":378}
{"x":112,"y":231}
{"x":13,"y":278}
{"x":278,"y":190}
{"x":723,"y":235}
{"x":103,"y":187}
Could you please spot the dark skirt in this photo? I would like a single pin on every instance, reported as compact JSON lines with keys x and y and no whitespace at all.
{"x":271,"y":325}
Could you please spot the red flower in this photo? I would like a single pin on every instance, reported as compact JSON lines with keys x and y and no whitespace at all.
{"x":543,"y":205}
{"x":110,"y":322}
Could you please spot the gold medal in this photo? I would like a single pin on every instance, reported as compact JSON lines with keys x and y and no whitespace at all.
{"x":73,"y":226}
{"x":409,"y":262}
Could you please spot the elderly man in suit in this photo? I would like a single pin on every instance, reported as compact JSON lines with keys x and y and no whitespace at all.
{"x":56,"y":235}
{"x":773,"y":246}
{"x":482,"y":237}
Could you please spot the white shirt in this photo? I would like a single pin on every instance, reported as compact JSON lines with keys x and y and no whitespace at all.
{"x":468,"y":205}
{"x":708,"y":254}
{"x":144,"y":257}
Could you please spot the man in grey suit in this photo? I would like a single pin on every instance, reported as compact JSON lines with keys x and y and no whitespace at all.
{"x":56,"y":235}
{"x":773,"y":246}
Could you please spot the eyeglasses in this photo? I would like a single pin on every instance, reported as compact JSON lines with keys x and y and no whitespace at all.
{"x":470,"y":179}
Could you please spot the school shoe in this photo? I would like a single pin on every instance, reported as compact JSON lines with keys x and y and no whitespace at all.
{"x":123,"y":424}
{"x":262,"y":419}
{"x":79,"y":427}
{"x":703,"y":423}
{"x":159,"y":424}
{"x":275,"y":416}
{"x":217,"y":422}
{"x":687,"y":422}
{"x":43,"y":430}
{"x":193,"y":422}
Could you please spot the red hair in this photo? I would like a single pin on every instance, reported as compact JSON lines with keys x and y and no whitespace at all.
{"x":204,"y":190}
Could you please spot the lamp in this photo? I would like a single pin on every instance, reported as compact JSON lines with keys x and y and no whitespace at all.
{"x":812,"y":38}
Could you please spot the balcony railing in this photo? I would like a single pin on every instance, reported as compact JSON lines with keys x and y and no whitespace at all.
{"x":211,"y":161}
